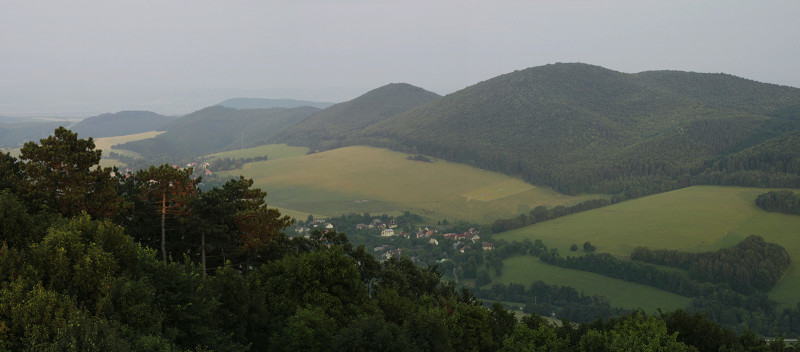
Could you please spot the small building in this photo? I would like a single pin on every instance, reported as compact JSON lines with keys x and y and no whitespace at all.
{"x":488,"y":246}
{"x":377,"y":223}
{"x":434,"y":242}
{"x":387,"y":233}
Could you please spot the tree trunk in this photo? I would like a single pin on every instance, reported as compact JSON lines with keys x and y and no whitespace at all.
{"x":203,"y":251}
{"x":163,"y":230}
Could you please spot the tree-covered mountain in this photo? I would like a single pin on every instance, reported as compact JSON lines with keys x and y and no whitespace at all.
{"x":121,"y":123}
{"x":337,"y":125}
{"x":260,"y":103}
{"x":215,"y":129}
{"x":584,"y":128}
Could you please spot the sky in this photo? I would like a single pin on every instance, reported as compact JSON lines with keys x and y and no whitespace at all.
{"x":85,"y":57}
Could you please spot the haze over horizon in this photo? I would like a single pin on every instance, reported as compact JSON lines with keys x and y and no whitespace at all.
{"x":88,"y":57}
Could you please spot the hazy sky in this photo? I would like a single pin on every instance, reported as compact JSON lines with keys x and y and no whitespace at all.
{"x":84,"y":57}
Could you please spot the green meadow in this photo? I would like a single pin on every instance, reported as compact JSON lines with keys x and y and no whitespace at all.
{"x":373,"y":180}
{"x":527,"y":269}
{"x":700,"y":218}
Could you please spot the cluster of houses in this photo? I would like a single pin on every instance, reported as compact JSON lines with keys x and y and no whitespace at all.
{"x":378,"y":224}
{"x":204,"y":165}
{"x":388,"y":229}
{"x":316,"y":224}
{"x":460,"y":240}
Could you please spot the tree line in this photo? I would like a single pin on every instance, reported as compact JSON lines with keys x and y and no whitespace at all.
{"x":752,"y":265}
{"x":723,"y":303}
{"x":784,"y":201}
{"x":227,"y":164}
{"x":543,"y":213}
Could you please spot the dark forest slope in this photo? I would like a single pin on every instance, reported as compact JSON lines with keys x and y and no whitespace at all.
{"x":215,"y":129}
{"x":121,"y":123}
{"x":338,"y":124}
{"x":584,"y":128}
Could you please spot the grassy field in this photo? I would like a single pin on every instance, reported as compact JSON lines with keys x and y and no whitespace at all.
{"x":106,"y":143}
{"x":527,"y":269}
{"x":364,"y":179}
{"x":700,"y":218}
{"x":272,"y":151}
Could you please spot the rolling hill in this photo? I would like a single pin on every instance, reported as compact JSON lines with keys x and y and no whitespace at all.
{"x":584,"y":128}
{"x":121,"y":124}
{"x":216,"y":129}
{"x":260,"y":103}
{"x":341,"y":124}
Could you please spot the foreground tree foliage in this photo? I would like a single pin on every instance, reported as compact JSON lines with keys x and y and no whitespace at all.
{"x":85,"y":283}
{"x":58,"y":173}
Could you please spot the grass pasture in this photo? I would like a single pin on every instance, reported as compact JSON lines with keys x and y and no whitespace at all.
{"x":700,"y":218}
{"x":373,"y":180}
{"x":272,"y":151}
{"x":527,"y":269}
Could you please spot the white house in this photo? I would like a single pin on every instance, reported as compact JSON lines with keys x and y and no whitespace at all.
{"x":387,"y":233}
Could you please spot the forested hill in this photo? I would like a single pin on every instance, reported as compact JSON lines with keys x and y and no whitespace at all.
{"x":215,"y":129}
{"x":584,"y":128}
{"x":334,"y":126}
{"x":121,"y":123}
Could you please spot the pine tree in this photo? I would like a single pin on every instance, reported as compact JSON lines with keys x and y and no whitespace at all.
{"x":58,"y":174}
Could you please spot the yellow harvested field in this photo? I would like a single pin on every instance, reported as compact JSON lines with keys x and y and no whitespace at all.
{"x":365,"y":179}
{"x":105,"y":144}
{"x":499,"y":190}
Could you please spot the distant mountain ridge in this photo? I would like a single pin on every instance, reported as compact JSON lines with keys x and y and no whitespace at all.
{"x":15,"y":134}
{"x":261,"y":103}
{"x":216,"y":129}
{"x":574,"y":127}
{"x":584,"y":128}
{"x":121,"y":123}
{"x":339,"y":124}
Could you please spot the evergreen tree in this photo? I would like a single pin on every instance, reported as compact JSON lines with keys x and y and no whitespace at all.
{"x":58,"y":173}
{"x":168,"y":191}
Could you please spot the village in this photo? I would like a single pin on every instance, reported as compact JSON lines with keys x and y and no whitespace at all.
{"x":390,"y":237}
